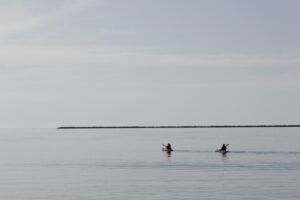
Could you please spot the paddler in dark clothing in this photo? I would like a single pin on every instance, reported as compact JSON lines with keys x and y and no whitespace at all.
{"x":169,"y":147}
{"x":224,"y":147}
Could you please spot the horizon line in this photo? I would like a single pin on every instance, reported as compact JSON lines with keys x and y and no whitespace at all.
{"x":181,"y":126}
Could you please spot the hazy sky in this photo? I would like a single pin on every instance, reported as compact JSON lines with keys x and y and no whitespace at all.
{"x":149,"y":62}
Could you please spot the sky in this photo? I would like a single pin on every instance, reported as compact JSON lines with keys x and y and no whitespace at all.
{"x":158,"y":62}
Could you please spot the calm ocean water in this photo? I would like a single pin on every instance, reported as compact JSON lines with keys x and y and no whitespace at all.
{"x":128,"y":164}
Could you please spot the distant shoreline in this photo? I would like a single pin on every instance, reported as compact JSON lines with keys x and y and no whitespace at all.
{"x":212,"y":126}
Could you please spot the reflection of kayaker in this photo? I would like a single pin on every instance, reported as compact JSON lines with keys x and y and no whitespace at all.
{"x":167,"y":147}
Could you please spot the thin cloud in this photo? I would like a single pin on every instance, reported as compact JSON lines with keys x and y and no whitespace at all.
{"x":18,"y":18}
{"x":112,"y":31}
{"x":128,"y":55}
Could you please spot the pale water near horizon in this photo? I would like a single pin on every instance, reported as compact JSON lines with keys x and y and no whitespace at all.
{"x":128,"y":164}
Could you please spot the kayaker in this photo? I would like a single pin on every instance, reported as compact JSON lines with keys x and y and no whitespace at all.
{"x":169,"y":147}
{"x":224,"y":147}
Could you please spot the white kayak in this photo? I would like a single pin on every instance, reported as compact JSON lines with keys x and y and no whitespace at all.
{"x":221,"y":151}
